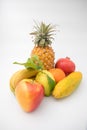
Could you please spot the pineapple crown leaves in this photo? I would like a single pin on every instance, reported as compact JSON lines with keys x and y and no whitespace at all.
{"x":43,"y":34}
{"x":33,"y":63}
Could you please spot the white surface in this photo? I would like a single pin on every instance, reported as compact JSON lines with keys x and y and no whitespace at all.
{"x":16,"y":22}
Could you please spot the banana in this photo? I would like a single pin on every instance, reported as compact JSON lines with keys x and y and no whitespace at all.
{"x":19,"y":75}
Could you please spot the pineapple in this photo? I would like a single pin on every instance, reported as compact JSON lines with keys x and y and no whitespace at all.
{"x":42,"y":39}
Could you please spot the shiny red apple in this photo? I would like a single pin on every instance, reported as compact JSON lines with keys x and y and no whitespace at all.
{"x":29,"y":94}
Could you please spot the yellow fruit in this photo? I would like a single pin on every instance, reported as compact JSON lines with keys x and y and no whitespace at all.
{"x":45,"y":78}
{"x":68,"y":85}
{"x":43,"y":39}
{"x":46,"y":55}
{"x":19,"y":75}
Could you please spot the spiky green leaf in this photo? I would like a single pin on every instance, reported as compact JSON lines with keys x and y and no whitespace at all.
{"x":43,"y":34}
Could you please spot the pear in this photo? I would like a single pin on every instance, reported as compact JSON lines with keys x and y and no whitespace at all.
{"x":45,"y":78}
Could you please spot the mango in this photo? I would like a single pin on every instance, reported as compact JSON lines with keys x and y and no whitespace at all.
{"x":68,"y":85}
{"x":45,"y":78}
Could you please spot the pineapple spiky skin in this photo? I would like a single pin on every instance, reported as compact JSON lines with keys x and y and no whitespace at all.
{"x":43,"y":38}
{"x":46,"y":55}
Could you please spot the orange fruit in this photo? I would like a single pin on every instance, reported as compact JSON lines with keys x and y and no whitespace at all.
{"x":57,"y":73}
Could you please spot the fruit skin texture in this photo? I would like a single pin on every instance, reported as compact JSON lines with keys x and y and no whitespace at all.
{"x":58,"y":74}
{"x":46,"y":55}
{"x":29,"y":94}
{"x":66,"y":65}
{"x":43,"y":36}
{"x":68,"y":85}
{"x":19,"y":75}
{"x":47,"y":80}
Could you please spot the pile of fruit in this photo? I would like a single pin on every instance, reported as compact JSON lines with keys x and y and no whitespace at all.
{"x":41,"y":75}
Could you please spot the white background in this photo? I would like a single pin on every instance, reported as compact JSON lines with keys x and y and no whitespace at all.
{"x":16,"y":22}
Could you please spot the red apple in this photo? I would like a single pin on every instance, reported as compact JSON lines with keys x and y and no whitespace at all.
{"x":66,"y":65}
{"x":29,"y":94}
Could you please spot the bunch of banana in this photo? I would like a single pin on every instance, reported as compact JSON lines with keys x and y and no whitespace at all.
{"x":19,"y":75}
